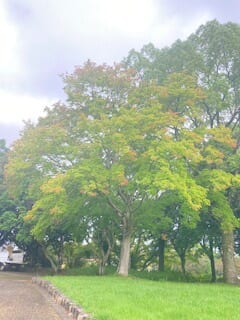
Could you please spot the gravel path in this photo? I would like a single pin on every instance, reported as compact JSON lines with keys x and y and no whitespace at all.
{"x":20,"y":299}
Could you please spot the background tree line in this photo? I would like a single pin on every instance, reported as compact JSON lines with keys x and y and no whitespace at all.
{"x":142,"y":153}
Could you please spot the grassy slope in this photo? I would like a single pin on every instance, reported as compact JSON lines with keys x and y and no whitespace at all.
{"x":116,"y":298}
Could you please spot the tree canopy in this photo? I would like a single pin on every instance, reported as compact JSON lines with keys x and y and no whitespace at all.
{"x":159,"y":130}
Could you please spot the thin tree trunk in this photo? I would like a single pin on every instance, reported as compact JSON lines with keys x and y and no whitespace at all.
{"x":101,"y":268}
{"x":212,"y":262}
{"x":161,"y":249}
{"x":124,"y":254}
{"x":104,"y":258}
{"x":229,"y":268}
{"x":183,"y":263}
{"x":51,"y":260}
{"x":102,"y":265}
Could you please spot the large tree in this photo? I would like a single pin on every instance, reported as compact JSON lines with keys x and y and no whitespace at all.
{"x":115,"y":141}
{"x":212,"y":55}
{"x":127,"y":135}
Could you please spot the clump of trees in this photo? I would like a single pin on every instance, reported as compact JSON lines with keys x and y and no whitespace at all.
{"x":142,"y":152}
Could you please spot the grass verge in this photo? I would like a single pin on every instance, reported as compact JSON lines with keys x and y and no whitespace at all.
{"x":117,"y":298}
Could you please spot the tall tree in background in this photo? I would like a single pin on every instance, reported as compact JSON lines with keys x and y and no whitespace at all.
{"x":212,"y":55}
{"x":8,"y":210}
{"x":220,"y":77}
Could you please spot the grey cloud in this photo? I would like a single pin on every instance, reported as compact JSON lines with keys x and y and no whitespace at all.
{"x":56,"y":35}
{"x":49,"y":46}
{"x":221,"y":10}
{"x":9,"y":132}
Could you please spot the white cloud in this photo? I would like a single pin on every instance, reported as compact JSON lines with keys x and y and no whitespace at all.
{"x":130,"y":18}
{"x":17,"y":108}
{"x":166,"y":32}
{"x":9,"y":62}
{"x":92,"y":17}
{"x":41,"y":39}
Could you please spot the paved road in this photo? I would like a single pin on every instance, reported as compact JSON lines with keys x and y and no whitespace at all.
{"x":22,"y":300}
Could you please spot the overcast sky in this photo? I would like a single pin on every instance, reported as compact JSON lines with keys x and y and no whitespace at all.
{"x":42,"y":39}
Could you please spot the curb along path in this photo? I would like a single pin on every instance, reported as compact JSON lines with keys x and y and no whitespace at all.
{"x":25,"y":298}
{"x":75,"y":311}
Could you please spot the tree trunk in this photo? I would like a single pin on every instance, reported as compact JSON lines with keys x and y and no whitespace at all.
{"x":101,"y":268}
{"x":161,"y":249}
{"x":124,"y":254}
{"x":51,"y":260}
{"x":212,"y":261}
{"x":183,"y":262}
{"x":229,"y":268}
{"x":104,"y":257}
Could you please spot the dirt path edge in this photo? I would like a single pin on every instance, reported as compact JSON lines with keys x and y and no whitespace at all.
{"x":76,"y":312}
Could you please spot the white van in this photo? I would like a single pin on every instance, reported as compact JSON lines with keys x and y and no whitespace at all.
{"x":11,"y":255}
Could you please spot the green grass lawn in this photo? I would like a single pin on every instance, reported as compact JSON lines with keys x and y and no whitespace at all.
{"x":117,"y":298}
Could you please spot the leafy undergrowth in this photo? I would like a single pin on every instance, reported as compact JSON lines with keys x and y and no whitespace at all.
{"x":117,"y":298}
{"x":167,"y":275}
